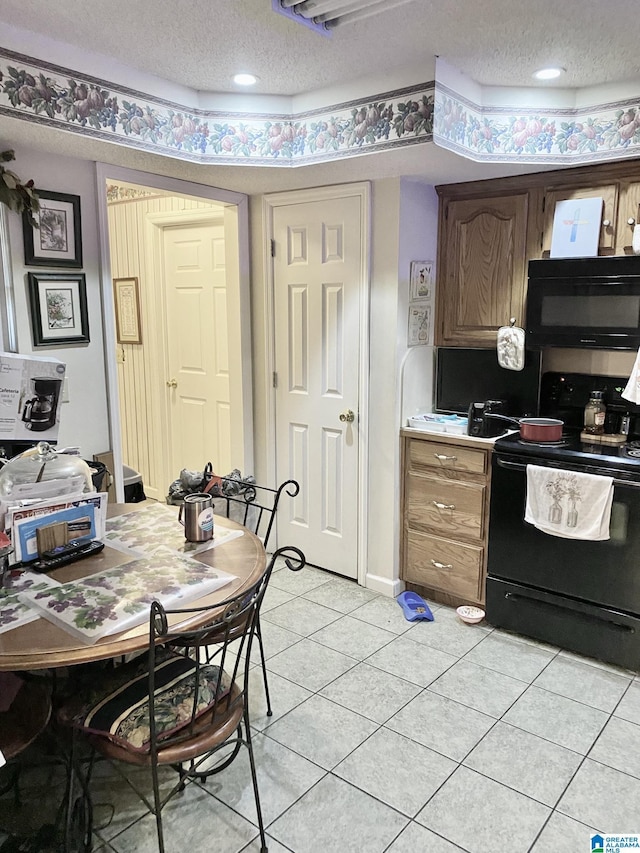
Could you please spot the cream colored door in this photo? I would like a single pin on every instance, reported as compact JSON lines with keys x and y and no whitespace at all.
{"x":197,"y":353}
{"x":318,"y":275}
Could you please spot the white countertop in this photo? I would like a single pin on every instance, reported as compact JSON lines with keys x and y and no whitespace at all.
{"x":449,"y":437}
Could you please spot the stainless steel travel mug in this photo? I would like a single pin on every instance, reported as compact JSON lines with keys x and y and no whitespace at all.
{"x":198,"y":517}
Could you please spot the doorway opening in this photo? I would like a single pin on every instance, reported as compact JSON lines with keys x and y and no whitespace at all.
{"x":176,"y":297}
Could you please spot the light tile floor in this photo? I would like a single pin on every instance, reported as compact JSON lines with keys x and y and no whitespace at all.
{"x":400,"y":737}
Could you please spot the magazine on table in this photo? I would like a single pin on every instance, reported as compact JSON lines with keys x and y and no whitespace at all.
{"x":119,"y":599}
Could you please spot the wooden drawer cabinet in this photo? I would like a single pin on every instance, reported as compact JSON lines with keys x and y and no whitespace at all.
{"x":445,"y":505}
{"x":442,"y":564}
{"x":445,"y":458}
{"x":454,"y":509}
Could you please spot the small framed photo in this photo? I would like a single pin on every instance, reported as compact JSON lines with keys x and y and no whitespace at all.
{"x":57,"y":242}
{"x":421,"y":280}
{"x":127,"y":305}
{"x":58,"y":304}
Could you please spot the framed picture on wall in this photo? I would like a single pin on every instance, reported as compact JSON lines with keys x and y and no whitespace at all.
{"x":57,"y":242}
{"x":58,"y":304}
{"x":127,"y":305}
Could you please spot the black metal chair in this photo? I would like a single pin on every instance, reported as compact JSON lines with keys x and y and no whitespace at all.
{"x":255,"y":507}
{"x":171,"y":708}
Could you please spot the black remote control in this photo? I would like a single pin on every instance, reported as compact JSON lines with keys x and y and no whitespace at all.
{"x":63,"y":550}
{"x":47,"y":565}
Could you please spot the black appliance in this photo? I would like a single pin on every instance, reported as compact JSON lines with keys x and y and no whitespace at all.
{"x":40,"y":411}
{"x":584,"y":302}
{"x":581,"y":595}
{"x":465,"y":375}
{"x":482,"y":426}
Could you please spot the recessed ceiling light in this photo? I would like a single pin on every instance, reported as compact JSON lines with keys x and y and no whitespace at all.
{"x":245,"y":79}
{"x":548,"y":73}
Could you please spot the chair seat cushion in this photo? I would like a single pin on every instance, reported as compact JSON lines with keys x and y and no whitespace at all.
{"x":116,"y":704}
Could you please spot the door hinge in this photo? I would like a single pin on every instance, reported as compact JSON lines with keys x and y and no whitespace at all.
{"x":275,"y":379}
{"x":273,"y":248}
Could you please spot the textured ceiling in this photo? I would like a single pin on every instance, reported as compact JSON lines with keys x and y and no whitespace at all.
{"x":201,"y":43}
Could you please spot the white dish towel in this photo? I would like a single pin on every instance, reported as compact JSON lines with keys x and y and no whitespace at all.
{"x":569,"y":504}
{"x":632,"y":388}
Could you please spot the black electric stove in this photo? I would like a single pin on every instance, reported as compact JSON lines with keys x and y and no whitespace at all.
{"x":581,"y":595}
{"x":564,"y":396}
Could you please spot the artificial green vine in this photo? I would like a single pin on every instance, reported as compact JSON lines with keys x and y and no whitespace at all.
{"x":17,"y":196}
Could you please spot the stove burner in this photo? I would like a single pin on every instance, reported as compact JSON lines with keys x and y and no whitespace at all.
{"x":633,"y":452}
{"x":563,"y":442}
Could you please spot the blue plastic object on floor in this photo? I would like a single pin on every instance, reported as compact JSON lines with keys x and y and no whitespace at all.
{"x":414,"y":607}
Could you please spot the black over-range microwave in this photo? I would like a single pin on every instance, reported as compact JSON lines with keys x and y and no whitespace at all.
{"x":584,"y":302}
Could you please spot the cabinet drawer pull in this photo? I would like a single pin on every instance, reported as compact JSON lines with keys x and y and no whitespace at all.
{"x":442,"y":458}
{"x":443,"y":506}
{"x":441,"y":565}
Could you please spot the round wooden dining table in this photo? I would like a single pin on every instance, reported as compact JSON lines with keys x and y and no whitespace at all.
{"x":43,"y":645}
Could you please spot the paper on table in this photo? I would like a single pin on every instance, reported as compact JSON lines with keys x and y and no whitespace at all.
{"x":157,"y":526}
{"x":120,"y":598}
{"x":13,"y":611}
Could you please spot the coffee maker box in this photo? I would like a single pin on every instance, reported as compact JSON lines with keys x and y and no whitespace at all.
{"x":30,"y":397}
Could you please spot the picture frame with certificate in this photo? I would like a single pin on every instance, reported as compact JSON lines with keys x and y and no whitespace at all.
{"x":57,"y":241}
{"x":126,"y":296}
{"x":58,"y":305}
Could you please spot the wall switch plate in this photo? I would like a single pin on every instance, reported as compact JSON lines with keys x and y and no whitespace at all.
{"x":65,"y":389}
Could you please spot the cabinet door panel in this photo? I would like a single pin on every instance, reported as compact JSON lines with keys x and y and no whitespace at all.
{"x":448,"y":507}
{"x":484,"y":254}
{"x":609,"y":193}
{"x":449,"y":566}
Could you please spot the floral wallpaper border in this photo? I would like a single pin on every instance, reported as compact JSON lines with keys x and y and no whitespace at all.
{"x":33,"y":90}
{"x":512,"y":134}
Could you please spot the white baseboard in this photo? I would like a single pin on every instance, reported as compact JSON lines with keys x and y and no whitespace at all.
{"x":385,"y":586}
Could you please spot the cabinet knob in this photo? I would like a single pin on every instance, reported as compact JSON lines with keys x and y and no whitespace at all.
{"x":442,"y":458}
{"x":631,"y":221}
{"x":441,"y":565}
{"x":606,"y":222}
{"x":443,"y":506}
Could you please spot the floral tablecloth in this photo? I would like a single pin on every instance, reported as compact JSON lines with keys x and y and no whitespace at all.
{"x":161,"y":567}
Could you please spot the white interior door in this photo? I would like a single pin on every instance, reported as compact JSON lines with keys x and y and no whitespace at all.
{"x":318,"y":276}
{"x":197,"y":382}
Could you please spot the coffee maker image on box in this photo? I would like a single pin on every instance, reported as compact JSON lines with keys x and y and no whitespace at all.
{"x":40,"y":411}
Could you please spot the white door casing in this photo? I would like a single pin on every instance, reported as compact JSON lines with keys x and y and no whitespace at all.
{"x":320,"y":345}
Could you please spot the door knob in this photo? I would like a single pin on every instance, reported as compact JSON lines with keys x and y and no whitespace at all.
{"x":171,"y":383}
{"x":347,"y":417}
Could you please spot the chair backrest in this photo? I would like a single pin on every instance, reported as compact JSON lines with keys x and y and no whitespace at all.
{"x":203,"y":691}
{"x":255,"y":506}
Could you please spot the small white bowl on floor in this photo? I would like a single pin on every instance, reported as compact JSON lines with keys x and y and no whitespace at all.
{"x":470,"y":615}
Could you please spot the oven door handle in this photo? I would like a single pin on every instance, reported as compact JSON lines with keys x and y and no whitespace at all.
{"x":519,"y":466}
{"x":551,"y":606}
{"x":515,"y":466}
